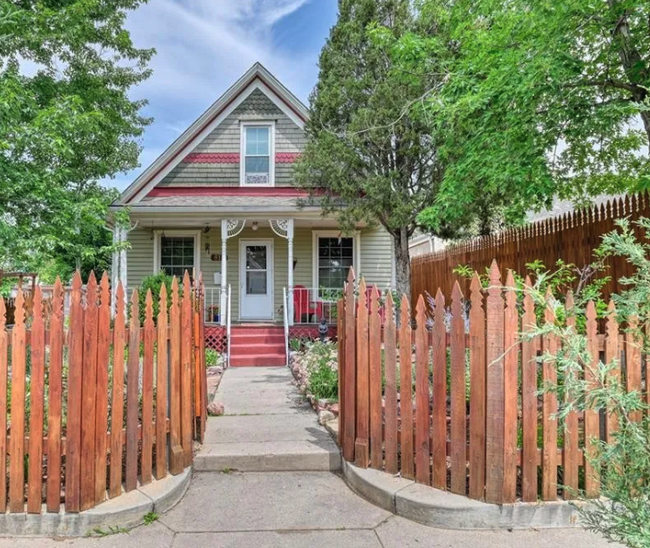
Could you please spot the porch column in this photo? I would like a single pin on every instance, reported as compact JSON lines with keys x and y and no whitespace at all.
{"x":119,"y":267}
{"x":115,"y":266}
{"x":229,"y":229}
{"x":284,"y":229}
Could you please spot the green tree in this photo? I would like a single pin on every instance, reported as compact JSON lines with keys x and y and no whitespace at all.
{"x":66,"y":122}
{"x":368,"y":159}
{"x":542,"y":99}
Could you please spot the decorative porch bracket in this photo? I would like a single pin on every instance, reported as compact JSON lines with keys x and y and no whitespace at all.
{"x":284,"y":229}
{"x":230,"y":228}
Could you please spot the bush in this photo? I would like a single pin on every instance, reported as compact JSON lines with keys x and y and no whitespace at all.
{"x":320,"y":360}
{"x":211,"y":357}
{"x":154,"y":283}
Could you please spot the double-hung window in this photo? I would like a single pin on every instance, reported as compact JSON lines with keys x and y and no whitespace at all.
{"x":176,"y":252}
{"x":334,"y":255}
{"x":257,"y":154}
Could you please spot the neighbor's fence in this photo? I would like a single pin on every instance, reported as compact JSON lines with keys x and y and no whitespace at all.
{"x":453,"y":401}
{"x":91,"y":406}
{"x":572,"y":237}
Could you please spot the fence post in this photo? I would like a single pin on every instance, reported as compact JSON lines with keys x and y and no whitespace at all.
{"x":349,"y":396}
{"x":439,"y":448}
{"x":186,"y":371}
{"x":117,"y":405}
{"x":511,"y":383}
{"x":101,"y":419}
{"x":477,"y":392}
{"x":340,"y":335}
{"x":162,"y":385}
{"x":495,"y":389}
{"x":390,"y":346}
{"x":422,"y":429}
{"x":529,"y":400}
{"x":361,"y":449}
{"x":147,"y":393}
{"x":458,"y":452}
{"x":89,"y":395}
{"x":177,"y":457}
{"x":406,"y":396}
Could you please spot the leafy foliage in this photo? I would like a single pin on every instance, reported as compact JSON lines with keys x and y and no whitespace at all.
{"x":66,"y":122}
{"x":622,"y":514}
{"x":155,"y":283}
{"x":320,"y":359}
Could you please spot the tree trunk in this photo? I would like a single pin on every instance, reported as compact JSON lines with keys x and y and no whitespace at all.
{"x":402,"y":262}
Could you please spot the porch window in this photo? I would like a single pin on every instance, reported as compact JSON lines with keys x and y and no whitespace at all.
{"x":176,"y":251}
{"x":335,"y":258}
{"x":257,"y":154}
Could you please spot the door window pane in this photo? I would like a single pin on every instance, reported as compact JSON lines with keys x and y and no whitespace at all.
{"x":256,"y":257}
{"x":256,"y":282}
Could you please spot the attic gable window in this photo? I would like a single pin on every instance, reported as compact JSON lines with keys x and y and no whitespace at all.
{"x":258,"y":156}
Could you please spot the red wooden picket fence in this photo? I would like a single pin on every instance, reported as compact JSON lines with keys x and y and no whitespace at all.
{"x":465,"y":415}
{"x":92,"y":406}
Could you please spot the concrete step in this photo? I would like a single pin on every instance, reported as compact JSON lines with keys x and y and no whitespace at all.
{"x":277,"y":456}
{"x":258,"y":360}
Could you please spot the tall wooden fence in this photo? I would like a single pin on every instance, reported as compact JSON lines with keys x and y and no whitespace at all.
{"x":453,"y":401}
{"x":572,"y":237}
{"x":91,"y":406}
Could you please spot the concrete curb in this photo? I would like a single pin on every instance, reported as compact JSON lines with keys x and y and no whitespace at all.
{"x":443,"y":510}
{"x":125,"y":511}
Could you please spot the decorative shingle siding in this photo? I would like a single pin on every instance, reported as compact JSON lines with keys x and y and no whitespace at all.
{"x":221,"y":168}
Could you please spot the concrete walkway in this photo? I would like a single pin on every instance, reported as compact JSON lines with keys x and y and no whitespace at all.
{"x":291,"y":509}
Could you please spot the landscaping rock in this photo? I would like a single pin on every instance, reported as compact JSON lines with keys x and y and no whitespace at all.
{"x":325,"y":416}
{"x":334,"y":408}
{"x":215,"y":409}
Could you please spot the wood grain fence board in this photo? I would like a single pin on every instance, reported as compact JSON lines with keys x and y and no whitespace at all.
{"x":529,"y":401}
{"x":422,"y":428}
{"x":591,"y":420}
{"x":570,"y":460}
{"x":495,"y":389}
{"x":511,"y":390}
{"x":132,"y":397}
{"x":117,"y":400}
{"x":439,"y":413}
{"x":75,"y":391}
{"x":633,"y":372}
{"x":612,"y":356}
{"x":147,"y":393}
{"x":177,"y":456}
{"x":458,"y":398}
{"x":89,"y":396}
{"x":55,"y":401}
{"x":361,"y":444}
{"x":477,"y":396}
{"x":198,"y":367}
{"x":4,"y":348}
{"x":376,"y":396}
{"x":350,"y":391}
{"x":406,"y":392}
{"x":203,"y":368}
{"x":340,"y":347}
{"x":37,"y":399}
{"x":549,"y":409}
{"x":101,"y":406}
{"x":390,"y":358}
{"x":16,"y":442}
{"x":162,"y":365}
{"x":186,"y":371}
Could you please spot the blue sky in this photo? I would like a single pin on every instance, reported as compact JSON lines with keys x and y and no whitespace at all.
{"x":203,"y":46}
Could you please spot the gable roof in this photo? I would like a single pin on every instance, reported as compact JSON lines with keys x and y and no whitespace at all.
{"x":256,"y":78}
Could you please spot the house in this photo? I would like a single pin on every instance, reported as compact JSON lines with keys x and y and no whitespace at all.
{"x":221,"y":200}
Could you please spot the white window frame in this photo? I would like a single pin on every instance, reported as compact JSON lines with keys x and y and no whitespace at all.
{"x":157,"y":240}
{"x":356,"y":258}
{"x":242,"y":154}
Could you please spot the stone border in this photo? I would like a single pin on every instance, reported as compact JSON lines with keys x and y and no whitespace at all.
{"x":125,"y":511}
{"x":445,"y":510}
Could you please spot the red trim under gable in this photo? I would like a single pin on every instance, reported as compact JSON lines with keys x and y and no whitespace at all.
{"x":168,"y":191}
{"x":212,"y":158}
{"x":209,"y":121}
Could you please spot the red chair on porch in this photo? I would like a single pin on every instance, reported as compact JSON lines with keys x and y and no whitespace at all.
{"x":303,"y":305}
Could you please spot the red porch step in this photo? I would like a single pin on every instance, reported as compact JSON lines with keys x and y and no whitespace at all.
{"x":257,"y":346}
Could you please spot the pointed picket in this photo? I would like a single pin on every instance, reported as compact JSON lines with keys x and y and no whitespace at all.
{"x":117,"y":399}
{"x":510,"y":380}
{"x":390,"y":346}
{"x":349,"y":392}
{"x":361,"y":444}
{"x":529,"y":399}
{"x":132,"y":396}
{"x":406,"y":390}
{"x":186,"y":370}
{"x":612,"y":356}
{"x":591,"y":420}
{"x":570,"y":457}
{"x":147,"y":392}
{"x":375,"y":380}
{"x":549,"y":410}
{"x":4,"y":348}
{"x":162,"y":360}
{"x":422,"y":427}
{"x":458,"y":384}
{"x":439,"y":418}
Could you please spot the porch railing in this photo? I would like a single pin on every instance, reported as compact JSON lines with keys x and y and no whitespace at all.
{"x":311,"y":305}
{"x":213,"y":305}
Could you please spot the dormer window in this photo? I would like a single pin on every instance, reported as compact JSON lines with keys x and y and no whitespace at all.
{"x":257,"y":166}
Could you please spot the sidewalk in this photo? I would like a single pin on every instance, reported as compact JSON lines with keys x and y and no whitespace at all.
{"x":290,"y":508}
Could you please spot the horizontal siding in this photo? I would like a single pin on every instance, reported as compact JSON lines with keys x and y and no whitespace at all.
{"x":376,"y":257}
{"x":226,"y":139}
{"x":139,"y":259}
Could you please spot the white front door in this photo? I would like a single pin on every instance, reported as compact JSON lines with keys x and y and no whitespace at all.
{"x":256,"y":279}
